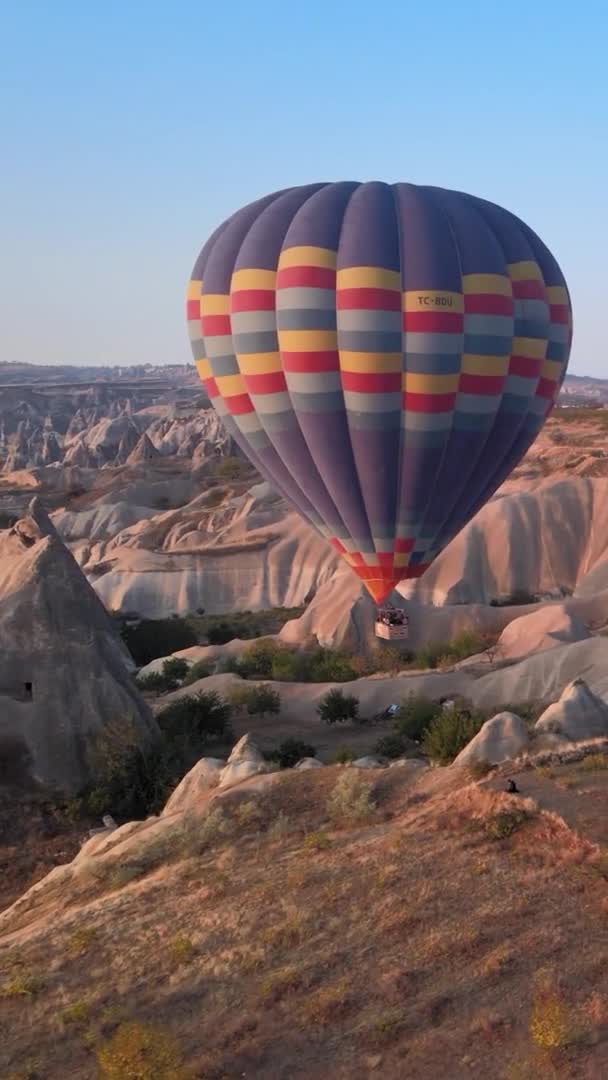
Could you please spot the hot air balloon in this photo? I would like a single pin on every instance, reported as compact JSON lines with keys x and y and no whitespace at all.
{"x":384,"y":355}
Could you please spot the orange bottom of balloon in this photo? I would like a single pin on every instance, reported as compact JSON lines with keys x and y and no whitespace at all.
{"x":379,"y":587}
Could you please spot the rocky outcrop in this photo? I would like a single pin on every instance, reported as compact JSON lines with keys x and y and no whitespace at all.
{"x":578,"y":715}
{"x":144,"y":450}
{"x":244,"y":761}
{"x":64,"y":672}
{"x":540,"y":630}
{"x":196,"y":784}
{"x":503,"y":738}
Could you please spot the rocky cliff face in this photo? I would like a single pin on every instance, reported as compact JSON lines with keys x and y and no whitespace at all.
{"x":64,"y":672}
{"x":102,"y":426}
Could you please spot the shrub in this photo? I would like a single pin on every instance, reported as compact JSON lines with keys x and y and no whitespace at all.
{"x":449,"y":732}
{"x":350,"y":799}
{"x":200,"y":670}
{"x":290,"y":752}
{"x":552,"y":1022}
{"x":337,"y":707}
{"x":256,"y":662}
{"x":594,"y":762}
{"x":392,"y":746}
{"x":480,"y":768}
{"x":167,"y":679}
{"x":415,"y":715}
{"x":221,"y":633}
{"x":132,"y":780}
{"x":153,"y":681}
{"x":327,"y":665}
{"x":503,"y":824}
{"x":140,"y":1052}
{"x":260,"y":700}
{"x":344,"y":755}
{"x":151,"y":638}
{"x":197,"y":719}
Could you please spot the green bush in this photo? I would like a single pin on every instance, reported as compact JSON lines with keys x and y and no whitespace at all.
{"x":221,"y":633}
{"x":337,"y":707}
{"x":449,"y":732}
{"x":199,"y":670}
{"x":198,"y":718}
{"x":468,"y":643}
{"x":151,"y":638}
{"x":154,"y":681}
{"x":392,"y":746}
{"x":131,"y":780}
{"x":328,"y":665}
{"x":256,"y":661}
{"x":290,"y":752}
{"x":169,"y":678}
{"x":260,"y":700}
{"x":415,"y":715}
{"x":175,"y":669}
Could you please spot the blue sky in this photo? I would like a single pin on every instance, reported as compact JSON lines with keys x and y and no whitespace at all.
{"x":129,"y":130}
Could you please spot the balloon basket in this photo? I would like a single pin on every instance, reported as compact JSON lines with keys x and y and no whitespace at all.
{"x":392,"y":625}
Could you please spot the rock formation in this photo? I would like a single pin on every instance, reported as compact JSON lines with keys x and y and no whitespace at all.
{"x":503,"y":738}
{"x":578,"y":715}
{"x":63,"y":668}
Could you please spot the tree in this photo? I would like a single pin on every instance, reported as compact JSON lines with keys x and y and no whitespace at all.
{"x":151,"y":638}
{"x":259,"y":700}
{"x":337,"y":707}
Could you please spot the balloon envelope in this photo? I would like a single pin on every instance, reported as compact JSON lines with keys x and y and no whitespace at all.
{"x":384,"y":355}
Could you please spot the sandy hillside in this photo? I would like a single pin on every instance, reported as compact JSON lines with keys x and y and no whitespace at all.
{"x":413,"y":924}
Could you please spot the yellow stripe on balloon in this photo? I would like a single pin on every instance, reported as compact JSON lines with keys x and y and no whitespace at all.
{"x":526,"y":270}
{"x":204,"y":368}
{"x":194,"y":289}
{"x":552,"y":370}
{"x":473,"y":364}
{"x":434,"y":300}
{"x":368,"y":277}
{"x":308,"y":256}
{"x":253,"y":279}
{"x":259,"y":363}
{"x":370,"y":362}
{"x":557,"y":294}
{"x":494,"y":284}
{"x":417,"y":383}
{"x":231,"y":385}
{"x":215,"y":304}
{"x":532,"y":348}
{"x":308,"y":340}
{"x":401,"y":558}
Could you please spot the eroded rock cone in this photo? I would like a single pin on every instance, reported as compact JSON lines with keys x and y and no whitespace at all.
{"x":579,"y":714}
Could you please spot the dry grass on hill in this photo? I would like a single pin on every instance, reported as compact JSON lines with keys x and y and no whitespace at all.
{"x":339,"y":924}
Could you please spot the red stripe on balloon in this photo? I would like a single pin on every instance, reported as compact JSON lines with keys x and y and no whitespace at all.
{"x":193,"y":309}
{"x":211,"y":387}
{"x":312,"y":277}
{"x":310,"y":361}
{"x":428,"y":403}
{"x":487,"y":304}
{"x":384,"y":382}
{"x":527,"y":366}
{"x":216,"y":325}
{"x":529,"y":290}
{"x":435,"y":322}
{"x":368,"y":300}
{"x":481,"y":384}
{"x":252,"y":300}
{"x":546,"y":388}
{"x":271,"y":383}
{"x":404,"y":544}
{"x":238,"y":404}
{"x":560,"y":313}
